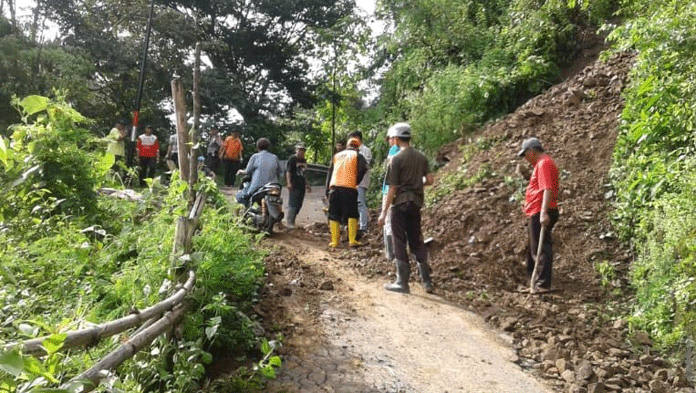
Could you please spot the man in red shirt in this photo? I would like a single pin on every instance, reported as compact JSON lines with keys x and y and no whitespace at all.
{"x":541,"y":206}
{"x":148,"y":151}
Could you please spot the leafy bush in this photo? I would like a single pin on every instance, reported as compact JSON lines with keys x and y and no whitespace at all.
{"x":653,"y":172}
{"x":664,"y":274}
{"x":49,"y":167}
{"x":458,"y":64}
{"x":93,"y":262}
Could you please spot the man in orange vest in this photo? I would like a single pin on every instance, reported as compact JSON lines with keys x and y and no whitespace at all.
{"x":347,"y":169}
{"x":231,"y":154}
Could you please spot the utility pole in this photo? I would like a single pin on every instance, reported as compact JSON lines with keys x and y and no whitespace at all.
{"x":136,"y":113}
{"x":333,"y":103}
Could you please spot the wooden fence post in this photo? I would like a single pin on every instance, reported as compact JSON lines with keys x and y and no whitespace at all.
{"x":193,"y":179}
{"x":181,"y":133}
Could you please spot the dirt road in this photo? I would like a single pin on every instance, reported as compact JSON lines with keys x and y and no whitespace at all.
{"x":345,"y":333}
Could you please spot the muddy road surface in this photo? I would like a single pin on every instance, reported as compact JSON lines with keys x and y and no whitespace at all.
{"x":345,"y":333}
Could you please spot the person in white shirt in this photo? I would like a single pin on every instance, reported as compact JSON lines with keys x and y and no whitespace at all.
{"x":363,"y":186}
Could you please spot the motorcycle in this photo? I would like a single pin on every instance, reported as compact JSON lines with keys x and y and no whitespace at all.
{"x":265,"y":208}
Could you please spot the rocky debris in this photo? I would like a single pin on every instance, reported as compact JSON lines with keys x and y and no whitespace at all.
{"x":570,"y":336}
{"x":326,"y":286}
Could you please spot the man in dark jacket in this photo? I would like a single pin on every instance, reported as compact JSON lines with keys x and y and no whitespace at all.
{"x":296,"y":183}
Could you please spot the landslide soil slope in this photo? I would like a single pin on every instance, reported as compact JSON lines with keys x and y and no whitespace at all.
{"x":571,"y":337}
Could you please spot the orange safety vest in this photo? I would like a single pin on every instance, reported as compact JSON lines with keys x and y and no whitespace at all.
{"x":345,"y":169}
{"x":233,"y":148}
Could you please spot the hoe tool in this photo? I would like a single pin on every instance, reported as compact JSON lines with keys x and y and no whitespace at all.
{"x":535,"y":272}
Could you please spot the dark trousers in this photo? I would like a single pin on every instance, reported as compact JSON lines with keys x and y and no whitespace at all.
{"x":231,"y":168}
{"x":343,"y":204}
{"x":175,"y":158}
{"x":117,"y":167}
{"x":213,"y":162}
{"x":546,"y":260}
{"x":295,"y":200}
{"x":147,"y":168}
{"x":406,"y":228}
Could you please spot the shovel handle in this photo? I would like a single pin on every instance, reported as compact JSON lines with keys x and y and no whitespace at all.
{"x":535,"y":272}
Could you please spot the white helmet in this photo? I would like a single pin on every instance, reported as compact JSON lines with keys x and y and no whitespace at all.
{"x":399,"y":130}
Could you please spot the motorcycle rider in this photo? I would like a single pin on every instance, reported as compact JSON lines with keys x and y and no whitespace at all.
{"x":345,"y":173}
{"x":263,"y":167}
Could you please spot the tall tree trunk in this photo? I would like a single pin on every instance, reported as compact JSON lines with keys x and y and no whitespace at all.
{"x":196,"y":120}
{"x":35,"y":21}
{"x":181,"y":133}
{"x":13,"y":16}
{"x":39,"y":20}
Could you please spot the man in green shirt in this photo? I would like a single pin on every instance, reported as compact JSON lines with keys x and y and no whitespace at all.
{"x":116,"y":144}
{"x":407,"y":173}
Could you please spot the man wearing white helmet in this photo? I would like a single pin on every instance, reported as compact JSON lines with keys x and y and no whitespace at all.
{"x":407,"y":173}
{"x":386,"y":230}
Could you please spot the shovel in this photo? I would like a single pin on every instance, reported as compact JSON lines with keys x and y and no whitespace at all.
{"x":535,"y":272}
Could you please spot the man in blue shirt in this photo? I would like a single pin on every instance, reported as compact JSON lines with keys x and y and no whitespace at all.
{"x":386,"y":230}
{"x":263,"y":167}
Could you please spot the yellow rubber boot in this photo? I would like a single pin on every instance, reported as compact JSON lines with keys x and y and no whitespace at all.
{"x":335,"y":228}
{"x":353,"y":232}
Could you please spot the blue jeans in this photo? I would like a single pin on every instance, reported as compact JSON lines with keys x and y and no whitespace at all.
{"x":362,"y":208}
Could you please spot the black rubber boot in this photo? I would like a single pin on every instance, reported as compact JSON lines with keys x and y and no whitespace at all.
{"x":403,"y":271}
{"x":424,"y":270}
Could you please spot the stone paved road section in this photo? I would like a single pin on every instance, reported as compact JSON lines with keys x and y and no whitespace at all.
{"x":378,"y":341}
{"x":373,"y":341}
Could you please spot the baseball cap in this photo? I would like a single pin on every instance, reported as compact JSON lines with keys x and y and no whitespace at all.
{"x":399,"y":130}
{"x":301,"y":146}
{"x":530,"y":143}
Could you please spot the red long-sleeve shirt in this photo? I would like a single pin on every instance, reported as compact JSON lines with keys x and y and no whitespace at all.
{"x":148,"y":145}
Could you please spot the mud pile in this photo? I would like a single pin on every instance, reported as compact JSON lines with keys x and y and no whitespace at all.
{"x":571,"y":337}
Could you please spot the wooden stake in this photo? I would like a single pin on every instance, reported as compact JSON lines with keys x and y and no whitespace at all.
{"x":181,"y":133}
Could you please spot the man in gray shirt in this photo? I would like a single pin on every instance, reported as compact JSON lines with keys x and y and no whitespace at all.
{"x":407,"y":173}
{"x":263,"y":167}
{"x":364,"y":184}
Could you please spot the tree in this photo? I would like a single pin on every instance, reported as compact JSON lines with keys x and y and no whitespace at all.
{"x":259,"y":52}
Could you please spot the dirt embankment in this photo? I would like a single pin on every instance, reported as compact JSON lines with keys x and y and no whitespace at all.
{"x":571,"y":337}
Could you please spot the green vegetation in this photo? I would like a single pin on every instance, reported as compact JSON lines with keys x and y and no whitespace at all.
{"x":67,"y":263}
{"x":654,"y":170}
{"x":71,"y":256}
{"x":457,"y":64}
